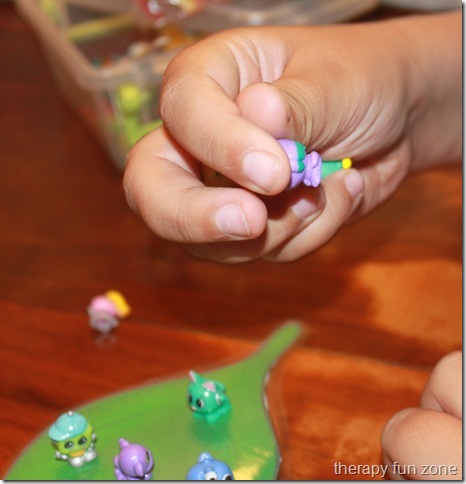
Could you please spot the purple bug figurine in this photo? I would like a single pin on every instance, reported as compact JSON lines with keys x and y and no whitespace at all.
{"x":308,"y":169}
{"x":305,"y":168}
{"x":133,"y":463}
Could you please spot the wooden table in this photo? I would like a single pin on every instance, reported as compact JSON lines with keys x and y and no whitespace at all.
{"x":381,"y":303}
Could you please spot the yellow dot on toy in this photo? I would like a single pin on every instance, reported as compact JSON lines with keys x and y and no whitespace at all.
{"x":346,"y":163}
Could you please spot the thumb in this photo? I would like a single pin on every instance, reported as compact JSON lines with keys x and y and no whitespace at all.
{"x":328,"y":122}
{"x":297,"y":110}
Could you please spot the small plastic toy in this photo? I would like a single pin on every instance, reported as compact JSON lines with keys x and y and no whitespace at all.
{"x":105,"y":311}
{"x":73,"y":439}
{"x":309,"y":169}
{"x":209,"y":469}
{"x":129,"y":102}
{"x":161,"y":11}
{"x":306,"y":168}
{"x":133,"y":463}
{"x":207,"y":398}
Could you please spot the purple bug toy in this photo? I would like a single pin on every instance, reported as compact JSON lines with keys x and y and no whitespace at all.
{"x":308,"y":169}
{"x":305,"y":168}
{"x":133,"y":463}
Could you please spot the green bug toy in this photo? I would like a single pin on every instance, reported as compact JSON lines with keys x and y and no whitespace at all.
{"x":207,"y":398}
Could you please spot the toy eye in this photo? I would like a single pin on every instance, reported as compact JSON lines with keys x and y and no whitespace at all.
{"x":82,"y":441}
{"x":210,"y":476}
{"x":200,"y":402}
{"x":227,"y":477}
{"x":69,"y":445}
{"x":190,"y":398}
{"x":147,"y":456}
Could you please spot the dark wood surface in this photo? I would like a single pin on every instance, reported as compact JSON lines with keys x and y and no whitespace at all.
{"x":381,"y":303}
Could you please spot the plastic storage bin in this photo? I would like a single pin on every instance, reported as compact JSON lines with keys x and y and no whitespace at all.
{"x":252,"y":13}
{"x":425,"y":5}
{"x":109,"y":64}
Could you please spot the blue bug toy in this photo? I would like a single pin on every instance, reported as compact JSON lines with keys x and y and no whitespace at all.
{"x":209,"y":469}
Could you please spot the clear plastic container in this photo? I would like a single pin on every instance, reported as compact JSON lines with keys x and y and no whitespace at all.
{"x":109,"y":64}
{"x":215,"y":17}
{"x":109,"y":6}
{"x":106,"y":65}
{"x":426,"y":5}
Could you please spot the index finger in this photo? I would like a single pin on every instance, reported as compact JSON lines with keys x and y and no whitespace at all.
{"x":197,"y":105}
{"x":444,"y":390}
{"x":161,"y":184}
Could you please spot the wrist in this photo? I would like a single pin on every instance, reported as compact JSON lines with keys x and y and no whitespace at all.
{"x":433,"y":79}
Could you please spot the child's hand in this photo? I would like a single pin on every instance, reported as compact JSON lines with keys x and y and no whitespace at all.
{"x":348,"y":90}
{"x":426,"y":443}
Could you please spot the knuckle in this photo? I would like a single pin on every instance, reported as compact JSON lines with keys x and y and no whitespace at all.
{"x":129,"y":176}
{"x":182,"y":226}
{"x":444,"y":366}
{"x":299,"y":105}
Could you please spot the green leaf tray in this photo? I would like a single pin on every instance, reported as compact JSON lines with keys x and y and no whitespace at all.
{"x":156,"y":416}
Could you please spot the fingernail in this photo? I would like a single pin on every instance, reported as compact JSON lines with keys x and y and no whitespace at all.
{"x":261,"y":168}
{"x":305,"y":207}
{"x":354,"y":183}
{"x":231,"y":221}
{"x":396,"y":419}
